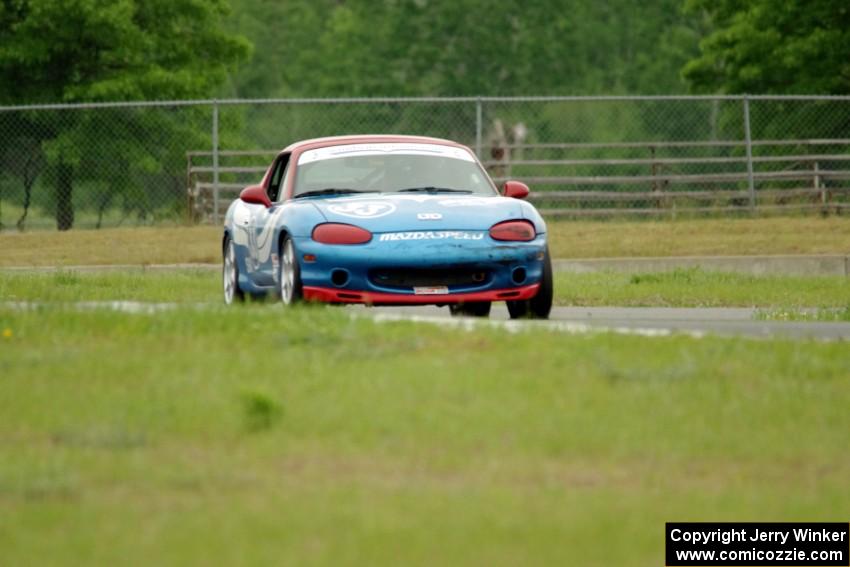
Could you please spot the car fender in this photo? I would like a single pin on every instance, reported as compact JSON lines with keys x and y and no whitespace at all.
{"x":298,"y":220}
{"x":529,"y":212}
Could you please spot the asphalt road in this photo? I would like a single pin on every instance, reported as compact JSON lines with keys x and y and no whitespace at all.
{"x":651,"y":321}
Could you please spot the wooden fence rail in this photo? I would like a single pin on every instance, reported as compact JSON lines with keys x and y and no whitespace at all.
{"x":786,"y":175}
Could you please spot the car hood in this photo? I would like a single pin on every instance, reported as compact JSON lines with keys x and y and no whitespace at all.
{"x":397,"y":212}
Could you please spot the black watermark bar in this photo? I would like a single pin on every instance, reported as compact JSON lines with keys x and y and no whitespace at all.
{"x":821,"y":544}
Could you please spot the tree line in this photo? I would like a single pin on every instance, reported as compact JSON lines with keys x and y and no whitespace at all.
{"x":124,"y":50}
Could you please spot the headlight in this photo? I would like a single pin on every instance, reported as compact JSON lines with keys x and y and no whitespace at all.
{"x":339,"y":233}
{"x":513,"y":230}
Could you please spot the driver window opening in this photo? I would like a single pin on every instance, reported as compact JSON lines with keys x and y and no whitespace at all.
{"x":278,"y":175}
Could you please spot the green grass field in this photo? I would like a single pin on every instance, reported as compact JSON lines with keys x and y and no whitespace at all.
{"x":173,"y":286}
{"x":682,"y":288}
{"x":258,"y":436}
{"x":568,"y":239}
{"x":699,"y":288}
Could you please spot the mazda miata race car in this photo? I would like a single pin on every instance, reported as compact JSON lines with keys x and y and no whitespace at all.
{"x":387,"y":220}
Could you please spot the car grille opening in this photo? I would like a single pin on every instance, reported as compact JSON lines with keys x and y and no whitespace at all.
{"x":416,"y":277}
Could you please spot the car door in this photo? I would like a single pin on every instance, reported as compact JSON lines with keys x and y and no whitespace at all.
{"x":264,"y":221}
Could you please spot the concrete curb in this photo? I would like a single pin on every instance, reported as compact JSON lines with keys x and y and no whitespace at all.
{"x":811,"y":265}
{"x":808,"y":265}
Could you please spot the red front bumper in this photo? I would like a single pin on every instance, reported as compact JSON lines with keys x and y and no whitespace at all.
{"x":333,"y":295}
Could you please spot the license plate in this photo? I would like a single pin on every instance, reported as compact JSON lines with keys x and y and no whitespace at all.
{"x":433,"y":290}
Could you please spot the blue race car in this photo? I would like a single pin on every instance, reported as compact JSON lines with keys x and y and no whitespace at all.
{"x":387,"y":220}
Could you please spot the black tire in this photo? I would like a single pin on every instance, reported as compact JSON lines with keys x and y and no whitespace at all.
{"x":290,"y":288}
{"x":539,"y":306}
{"x":230,"y":273}
{"x":471,"y":309}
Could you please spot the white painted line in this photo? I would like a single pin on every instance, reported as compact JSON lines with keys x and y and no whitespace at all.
{"x":516,"y":326}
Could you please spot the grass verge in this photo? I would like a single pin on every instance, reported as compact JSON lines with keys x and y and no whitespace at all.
{"x":701,"y":237}
{"x":138,"y":246}
{"x":250,"y":436}
{"x":176,"y":286}
{"x":681,"y":288}
{"x":838,"y":314}
{"x":694,"y":287}
{"x":568,"y":239}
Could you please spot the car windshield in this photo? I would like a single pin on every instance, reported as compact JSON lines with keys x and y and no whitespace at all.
{"x":389,"y":168}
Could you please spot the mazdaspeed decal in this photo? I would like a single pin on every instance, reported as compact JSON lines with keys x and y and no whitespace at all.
{"x":363,"y":209}
{"x":431,"y":235}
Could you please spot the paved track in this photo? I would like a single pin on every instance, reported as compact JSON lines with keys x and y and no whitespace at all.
{"x":658,"y":321}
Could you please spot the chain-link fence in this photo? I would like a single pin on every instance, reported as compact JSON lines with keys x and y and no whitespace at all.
{"x":122,"y":164}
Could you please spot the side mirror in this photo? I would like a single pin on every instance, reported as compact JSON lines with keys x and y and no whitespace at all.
{"x":255,"y":195}
{"x":516,"y":189}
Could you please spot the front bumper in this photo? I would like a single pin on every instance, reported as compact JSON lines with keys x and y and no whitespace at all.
{"x":352,"y":273}
{"x":328,"y":295}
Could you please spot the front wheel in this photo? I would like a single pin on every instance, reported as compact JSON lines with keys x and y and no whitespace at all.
{"x":471,"y":309}
{"x":289,"y":277}
{"x":539,"y":306}
{"x":230,"y":274}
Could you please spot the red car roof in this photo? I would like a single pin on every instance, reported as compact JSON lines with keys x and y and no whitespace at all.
{"x":366,"y":139}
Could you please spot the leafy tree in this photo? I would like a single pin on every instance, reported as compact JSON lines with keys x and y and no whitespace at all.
{"x":108,"y":50}
{"x":773,"y":46}
{"x":326,"y":48}
{"x":369,"y":48}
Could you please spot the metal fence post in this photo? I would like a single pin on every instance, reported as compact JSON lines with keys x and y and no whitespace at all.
{"x":215,"y":159}
{"x":749,"y":142}
{"x":582,"y":170}
{"x":478,"y":127}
